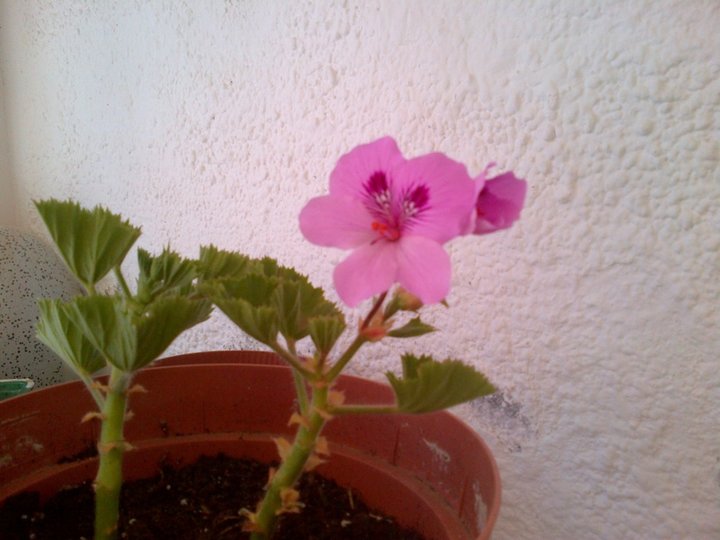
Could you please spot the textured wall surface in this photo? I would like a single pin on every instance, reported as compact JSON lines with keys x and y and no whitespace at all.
{"x":7,"y":191}
{"x":29,"y":269}
{"x":597,"y":314}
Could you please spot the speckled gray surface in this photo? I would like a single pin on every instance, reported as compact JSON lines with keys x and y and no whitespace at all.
{"x":29,"y":270}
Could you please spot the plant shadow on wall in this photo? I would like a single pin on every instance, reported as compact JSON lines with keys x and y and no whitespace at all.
{"x":510,"y":426}
{"x":394,"y":213}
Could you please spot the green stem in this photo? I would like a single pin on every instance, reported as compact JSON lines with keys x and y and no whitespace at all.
{"x":357,"y":343}
{"x":299,"y":380}
{"x":335,"y":371}
{"x":306,"y":436}
{"x":293,"y":361}
{"x":292,"y":467}
{"x":110,"y":450}
{"x":122,"y":282}
{"x":362,"y":409}
{"x":374,"y":310}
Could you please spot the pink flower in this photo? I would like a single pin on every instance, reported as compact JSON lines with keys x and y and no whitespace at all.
{"x":395,"y":214}
{"x":499,"y":202}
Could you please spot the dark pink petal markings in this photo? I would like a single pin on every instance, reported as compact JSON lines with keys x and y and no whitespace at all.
{"x":355,"y":168}
{"x":392,"y":211}
{"x":377,"y":197}
{"x":413,"y":202}
{"x":442,"y":193}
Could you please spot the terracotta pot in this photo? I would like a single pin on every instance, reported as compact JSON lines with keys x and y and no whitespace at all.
{"x":430,"y":472}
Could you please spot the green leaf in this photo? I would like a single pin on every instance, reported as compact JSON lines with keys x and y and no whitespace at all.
{"x":255,"y":289}
{"x":325,"y":331}
{"x":297,"y":301}
{"x":215,"y":263}
{"x":271,"y":268}
{"x":258,"y":322}
{"x":428,"y":385}
{"x":247,"y":302}
{"x":167,"y":273}
{"x":413,"y":328}
{"x":163,"y":321}
{"x":261,"y":296}
{"x":92,"y":242}
{"x":59,"y":333}
{"x":107,"y":324}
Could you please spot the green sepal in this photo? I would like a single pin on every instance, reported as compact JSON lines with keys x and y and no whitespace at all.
{"x":414,"y":328}
{"x":163,"y":321}
{"x":167,"y":273}
{"x":216,"y":263}
{"x":325,"y":331}
{"x":91,"y":242}
{"x":107,"y":325}
{"x":428,"y":385}
{"x":57,"y":331}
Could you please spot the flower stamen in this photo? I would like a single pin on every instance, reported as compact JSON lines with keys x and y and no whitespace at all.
{"x":385,"y":231}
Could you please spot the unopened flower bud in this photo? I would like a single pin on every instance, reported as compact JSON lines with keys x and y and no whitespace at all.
{"x":407,"y":301}
{"x":376,"y":329}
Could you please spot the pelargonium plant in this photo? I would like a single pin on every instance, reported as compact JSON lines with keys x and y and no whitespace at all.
{"x":120,"y":332}
{"x":395,"y":215}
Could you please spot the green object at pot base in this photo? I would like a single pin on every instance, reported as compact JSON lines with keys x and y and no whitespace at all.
{"x":14,"y":387}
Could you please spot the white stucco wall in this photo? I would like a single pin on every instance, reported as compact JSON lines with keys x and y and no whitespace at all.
{"x":597,"y":314}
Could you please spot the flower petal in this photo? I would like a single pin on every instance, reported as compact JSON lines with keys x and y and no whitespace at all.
{"x":356,"y":167}
{"x":499,"y":203}
{"x":336,"y":221}
{"x":423,"y":268}
{"x":450,"y":193}
{"x":369,"y":270}
{"x":481,"y":178}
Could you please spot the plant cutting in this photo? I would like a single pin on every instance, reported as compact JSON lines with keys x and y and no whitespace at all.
{"x":121,"y":331}
{"x":395,"y":214}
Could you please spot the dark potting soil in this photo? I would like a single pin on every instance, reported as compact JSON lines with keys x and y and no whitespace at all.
{"x":200,"y":502}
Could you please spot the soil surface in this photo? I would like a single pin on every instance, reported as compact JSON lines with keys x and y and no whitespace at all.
{"x":200,"y":502}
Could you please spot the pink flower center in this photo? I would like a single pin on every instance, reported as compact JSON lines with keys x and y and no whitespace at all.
{"x":393,"y":212}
